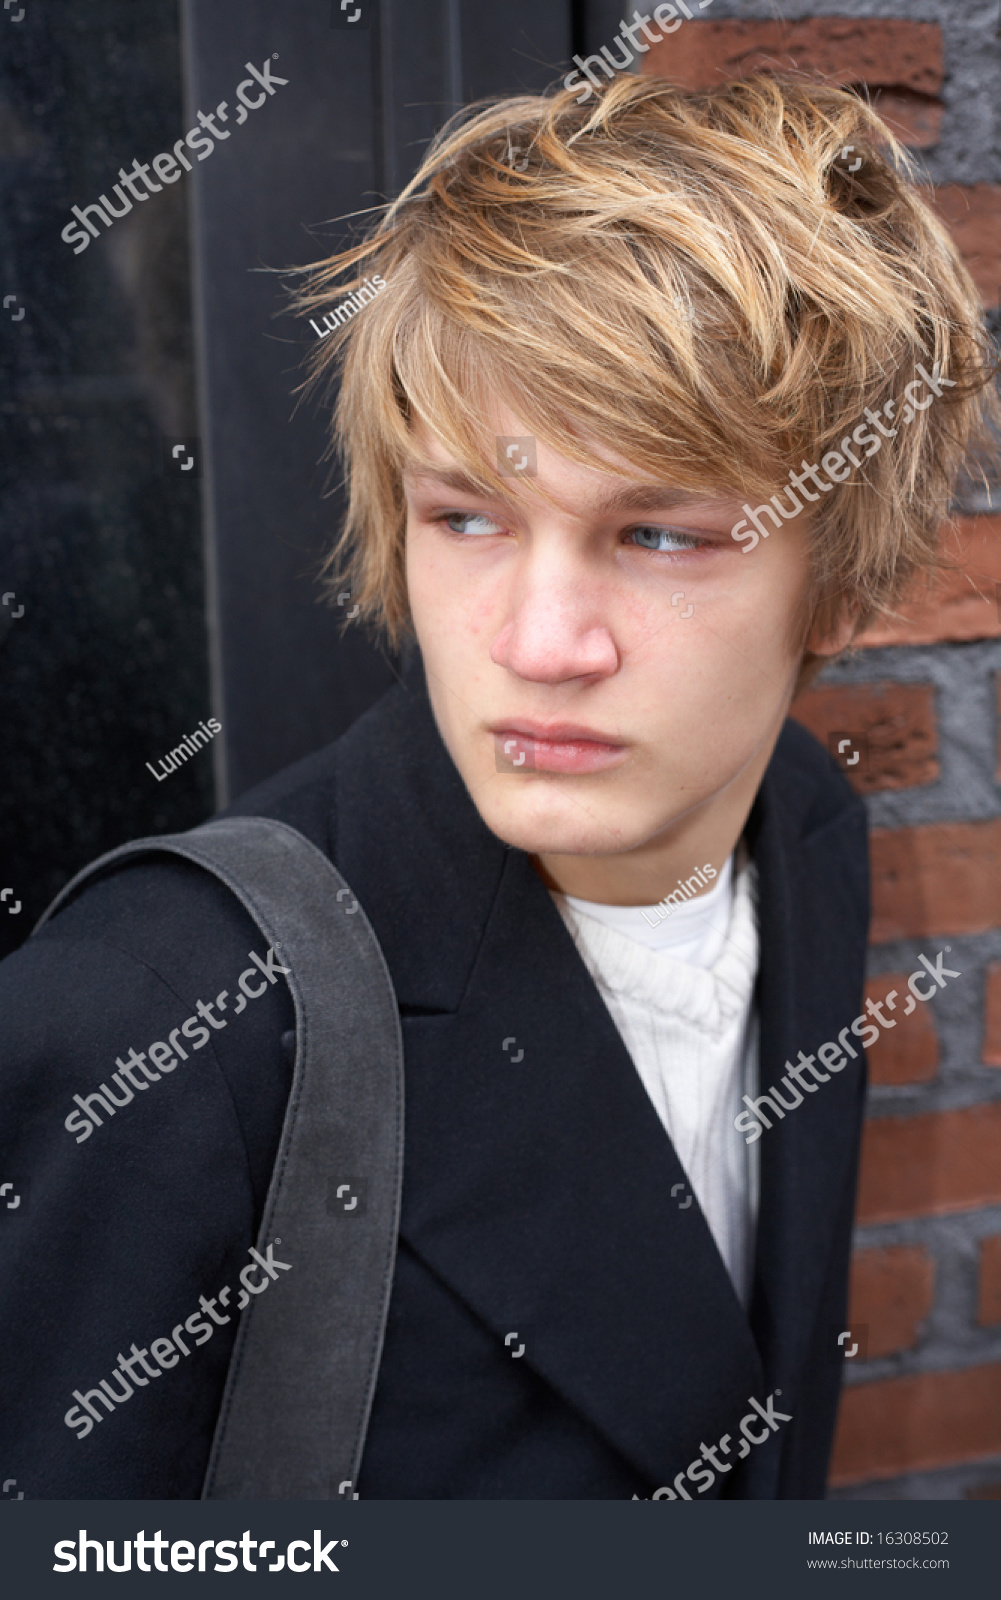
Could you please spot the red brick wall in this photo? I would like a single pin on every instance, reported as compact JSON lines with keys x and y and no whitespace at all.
{"x":936,"y":883}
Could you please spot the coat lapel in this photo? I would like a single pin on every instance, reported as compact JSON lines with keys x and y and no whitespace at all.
{"x":538,"y":1185}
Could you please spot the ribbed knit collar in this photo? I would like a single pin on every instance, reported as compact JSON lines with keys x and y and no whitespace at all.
{"x":708,"y":998}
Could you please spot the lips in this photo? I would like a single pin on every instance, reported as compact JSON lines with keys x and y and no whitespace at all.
{"x":557,"y":748}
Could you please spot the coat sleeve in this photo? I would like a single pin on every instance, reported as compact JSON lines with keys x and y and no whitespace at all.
{"x":127,"y":1238}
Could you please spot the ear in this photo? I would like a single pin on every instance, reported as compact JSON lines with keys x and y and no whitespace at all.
{"x":835,"y":639}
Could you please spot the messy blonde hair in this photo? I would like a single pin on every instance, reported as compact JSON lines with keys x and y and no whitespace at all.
{"x":695,"y":281}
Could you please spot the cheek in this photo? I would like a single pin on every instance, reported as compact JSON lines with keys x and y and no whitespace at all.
{"x":717,"y":677}
{"x":425,"y":586}
{"x":478,"y":617}
{"x":451,"y":600}
{"x":637,"y":615}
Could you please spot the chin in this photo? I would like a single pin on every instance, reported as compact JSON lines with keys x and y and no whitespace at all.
{"x":559,"y":829}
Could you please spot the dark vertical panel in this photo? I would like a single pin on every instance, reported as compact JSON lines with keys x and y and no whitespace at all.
{"x":346,"y":130}
{"x":518,"y":48}
{"x":596,"y":22}
{"x":285,"y":681}
{"x":106,"y":668}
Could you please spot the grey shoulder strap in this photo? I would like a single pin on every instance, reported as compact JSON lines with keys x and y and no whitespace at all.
{"x":299,"y":1390}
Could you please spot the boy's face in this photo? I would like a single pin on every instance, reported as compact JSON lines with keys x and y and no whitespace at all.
{"x":606,"y":671}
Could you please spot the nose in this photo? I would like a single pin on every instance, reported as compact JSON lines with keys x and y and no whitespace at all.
{"x":554,"y":632}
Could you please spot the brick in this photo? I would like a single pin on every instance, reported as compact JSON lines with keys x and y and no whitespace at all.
{"x":989,"y":1303}
{"x":930,"y":1165}
{"x":915,"y":1424}
{"x":992,"y":1017}
{"x":936,"y":880}
{"x":898,"y":724}
{"x":972,"y":213}
{"x":908,"y":1052}
{"x":901,"y":62}
{"x":960,"y":605}
{"x":892,"y":1291}
{"x":906,"y":55}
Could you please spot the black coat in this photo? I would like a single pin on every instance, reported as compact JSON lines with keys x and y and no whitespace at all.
{"x":537,"y":1194}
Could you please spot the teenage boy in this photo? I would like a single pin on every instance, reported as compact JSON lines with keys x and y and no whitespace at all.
{"x":584,"y":369}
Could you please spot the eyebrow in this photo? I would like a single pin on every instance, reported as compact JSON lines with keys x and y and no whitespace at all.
{"x":645,"y":497}
{"x":446,"y":479}
{"x":630,"y":497}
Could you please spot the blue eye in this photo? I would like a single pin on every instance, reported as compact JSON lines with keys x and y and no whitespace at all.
{"x":650,"y":537}
{"x":475,"y":522}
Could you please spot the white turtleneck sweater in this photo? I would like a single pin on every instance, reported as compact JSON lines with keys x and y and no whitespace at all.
{"x":680,"y":994}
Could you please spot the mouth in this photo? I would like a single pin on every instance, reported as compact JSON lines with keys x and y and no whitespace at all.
{"x":526,"y":746}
